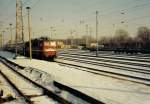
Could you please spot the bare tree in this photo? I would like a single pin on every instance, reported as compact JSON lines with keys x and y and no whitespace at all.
{"x":143,"y":37}
{"x":121,"y":37}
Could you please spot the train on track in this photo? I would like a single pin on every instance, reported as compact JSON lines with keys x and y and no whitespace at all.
{"x":42,"y":48}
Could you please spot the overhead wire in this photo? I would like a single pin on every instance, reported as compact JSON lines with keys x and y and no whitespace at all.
{"x":125,"y":9}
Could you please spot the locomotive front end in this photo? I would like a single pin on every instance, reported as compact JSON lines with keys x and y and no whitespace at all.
{"x":49,"y":50}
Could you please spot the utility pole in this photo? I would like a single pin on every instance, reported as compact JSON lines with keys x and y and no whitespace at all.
{"x":96,"y":33}
{"x":10,"y":34}
{"x":71,"y":33}
{"x":54,"y":34}
{"x":51,"y":29}
{"x":86,"y":39}
{"x":29,"y":29}
{"x":90,"y":32}
{"x":3,"y":32}
{"x":82,"y":22}
{"x":1,"y":39}
{"x":22,"y":31}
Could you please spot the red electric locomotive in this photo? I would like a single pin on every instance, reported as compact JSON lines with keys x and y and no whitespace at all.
{"x":42,"y":48}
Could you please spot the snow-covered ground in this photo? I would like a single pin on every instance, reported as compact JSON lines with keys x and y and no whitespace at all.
{"x":106,"y":89}
{"x":26,"y":87}
{"x":7,"y":90}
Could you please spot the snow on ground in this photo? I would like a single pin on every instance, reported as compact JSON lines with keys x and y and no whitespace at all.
{"x":7,"y":90}
{"x":39,"y":100}
{"x":17,"y":101}
{"x":106,"y":89}
{"x":23,"y":85}
{"x":26,"y":88}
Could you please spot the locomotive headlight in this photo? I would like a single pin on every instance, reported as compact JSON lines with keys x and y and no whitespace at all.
{"x":46,"y":50}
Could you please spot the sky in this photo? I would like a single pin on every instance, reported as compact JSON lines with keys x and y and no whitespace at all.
{"x":60,"y":17}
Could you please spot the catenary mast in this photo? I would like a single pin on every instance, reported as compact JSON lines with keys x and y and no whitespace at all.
{"x":19,"y":24}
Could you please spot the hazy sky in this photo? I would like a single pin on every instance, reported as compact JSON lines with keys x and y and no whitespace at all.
{"x":66,"y":15}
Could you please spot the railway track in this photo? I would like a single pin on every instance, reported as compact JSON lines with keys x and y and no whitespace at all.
{"x":28,"y":82}
{"x":127,"y":65}
{"x":124,"y":60}
{"x":118,"y":71}
{"x":27,"y":99}
{"x":85,"y":99}
{"x":105,"y":73}
{"x":115,"y":63}
{"x":109,"y":65}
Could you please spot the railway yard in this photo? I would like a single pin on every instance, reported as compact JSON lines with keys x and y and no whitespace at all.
{"x":76,"y":77}
{"x":74,"y":52}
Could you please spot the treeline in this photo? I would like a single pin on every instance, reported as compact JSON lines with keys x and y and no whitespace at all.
{"x":122,"y":39}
